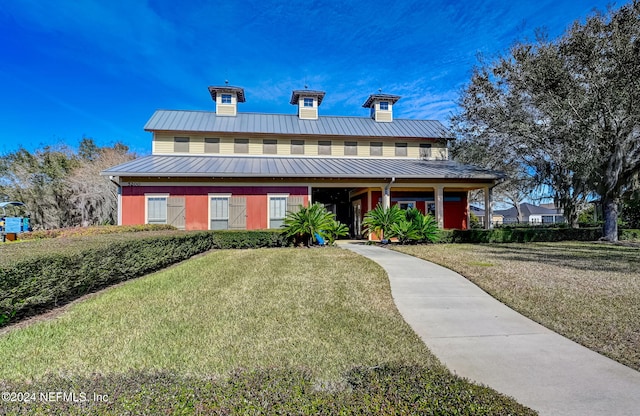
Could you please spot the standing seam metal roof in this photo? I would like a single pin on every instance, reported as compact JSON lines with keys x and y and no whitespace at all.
{"x":291,"y":124}
{"x":297,"y":167}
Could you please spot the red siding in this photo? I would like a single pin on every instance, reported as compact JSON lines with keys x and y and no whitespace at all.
{"x":455,"y":214}
{"x":197,"y":207}
{"x":132,"y":209}
{"x":197,"y":203}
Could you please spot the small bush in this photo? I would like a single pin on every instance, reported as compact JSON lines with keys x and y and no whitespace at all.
{"x":629,"y":235}
{"x":388,"y":389}
{"x":57,"y":274}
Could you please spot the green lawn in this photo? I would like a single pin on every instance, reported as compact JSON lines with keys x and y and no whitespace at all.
{"x":589,"y":292}
{"x":303,"y":331}
{"x":326,"y":310}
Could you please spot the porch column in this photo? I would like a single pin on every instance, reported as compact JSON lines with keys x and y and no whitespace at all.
{"x":440,"y":205}
{"x":119,"y":205}
{"x":488,"y":210}
{"x":386,"y":197}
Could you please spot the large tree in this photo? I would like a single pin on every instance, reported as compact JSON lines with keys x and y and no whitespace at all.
{"x":62,"y":187}
{"x":567,"y":110}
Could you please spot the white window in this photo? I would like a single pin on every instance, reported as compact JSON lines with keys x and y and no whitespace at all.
{"x":407,"y":204}
{"x":218,"y":212}
{"x":156,"y":209}
{"x":277,"y":210}
{"x":384,"y":105}
{"x":307,"y":102}
{"x":225,"y":99}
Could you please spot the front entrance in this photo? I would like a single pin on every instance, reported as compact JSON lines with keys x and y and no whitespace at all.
{"x":336,"y":200}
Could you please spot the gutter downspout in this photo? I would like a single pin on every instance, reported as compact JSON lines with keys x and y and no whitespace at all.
{"x":386,"y":197}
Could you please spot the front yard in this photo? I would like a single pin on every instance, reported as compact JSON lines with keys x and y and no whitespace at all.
{"x":589,"y":292}
{"x":312,"y":329}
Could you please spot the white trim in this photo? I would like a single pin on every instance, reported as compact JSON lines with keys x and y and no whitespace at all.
{"x":406,"y":202}
{"x":309,"y":195}
{"x":214,"y":195}
{"x":119,"y":220}
{"x":269,"y":196}
{"x":146,"y":204}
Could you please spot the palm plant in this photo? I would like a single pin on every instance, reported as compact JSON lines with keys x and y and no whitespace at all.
{"x":380,"y":220}
{"x":405,"y":231}
{"x":427,"y":228}
{"x":337,"y":229}
{"x":313,"y":221}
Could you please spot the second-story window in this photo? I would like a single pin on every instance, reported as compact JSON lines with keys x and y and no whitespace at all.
{"x":181,"y":144}
{"x":297,"y":147}
{"x":241,"y":146}
{"x":425,"y":150}
{"x":226,"y":99}
{"x":269,"y":147}
{"x":211,"y":145}
{"x":375,"y":149}
{"x":401,"y":149}
{"x":384,"y":105}
{"x":307,"y":102}
{"x":351,"y":148}
{"x":324,"y":147}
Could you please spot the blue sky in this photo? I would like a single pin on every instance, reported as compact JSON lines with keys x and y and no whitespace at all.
{"x":100,"y":68}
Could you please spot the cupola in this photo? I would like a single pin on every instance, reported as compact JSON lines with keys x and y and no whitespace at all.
{"x":308,"y":102}
{"x":381,"y":106}
{"x":227,"y":99}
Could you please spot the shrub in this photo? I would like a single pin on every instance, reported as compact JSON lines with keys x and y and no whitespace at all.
{"x":629,"y":234}
{"x":520,"y":235}
{"x":380,"y":220}
{"x":308,"y":222}
{"x":57,"y":274}
{"x":86,"y":231}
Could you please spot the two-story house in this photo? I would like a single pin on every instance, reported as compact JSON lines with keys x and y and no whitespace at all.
{"x":225,"y":169}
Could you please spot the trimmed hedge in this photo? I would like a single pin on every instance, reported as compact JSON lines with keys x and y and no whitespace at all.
{"x":389,"y":390}
{"x":59,"y":273}
{"x":520,"y":235}
{"x":86,"y":231}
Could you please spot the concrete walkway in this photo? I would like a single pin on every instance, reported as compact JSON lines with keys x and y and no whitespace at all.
{"x":479,"y":338}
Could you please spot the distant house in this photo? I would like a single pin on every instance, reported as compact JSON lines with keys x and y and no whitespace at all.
{"x":225,"y":169}
{"x":481,"y":215}
{"x":532,"y":214}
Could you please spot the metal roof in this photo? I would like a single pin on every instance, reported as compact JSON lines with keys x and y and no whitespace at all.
{"x":296,"y":94}
{"x":213,"y":90}
{"x":387,"y":97}
{"x":297,"y":167}
{"x":291,"y":124}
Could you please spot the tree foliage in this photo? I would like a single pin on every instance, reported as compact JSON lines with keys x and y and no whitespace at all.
{"x":62,"y":187}
{"x":564,"y":111}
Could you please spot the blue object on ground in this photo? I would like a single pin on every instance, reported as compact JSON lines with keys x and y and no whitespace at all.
{"x":319,"y":239}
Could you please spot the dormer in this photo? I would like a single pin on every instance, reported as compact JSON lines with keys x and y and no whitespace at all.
{"x":227,"y":99}
{"x":381,"y":106}
{"x":308,"y":102}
